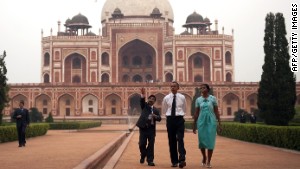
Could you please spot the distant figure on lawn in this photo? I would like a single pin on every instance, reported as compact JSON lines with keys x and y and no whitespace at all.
{"x":22,"y":120}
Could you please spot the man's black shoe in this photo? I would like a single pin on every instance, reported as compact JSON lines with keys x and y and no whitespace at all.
{"x":142,"y":160}
{"x":151,"y":164}
{"x":23,"y":145}
{"x":20,"y":145}
{"x":174,"y":165}
{"x":182,"y":164}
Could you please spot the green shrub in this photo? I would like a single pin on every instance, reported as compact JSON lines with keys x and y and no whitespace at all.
{"x":296,"y":118}
{"x":9,"y":132}
{"x":73,"y":125}
{"x":35,"y":115}
{"x":278,"y":136}
{"x":188,"y":124}
{"x":1,"y":117}
{"x":11,"y":116}
{"x":49,"y":119}
{"x":238,"y":114}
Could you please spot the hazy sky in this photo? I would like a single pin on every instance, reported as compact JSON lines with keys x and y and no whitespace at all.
{"x":23,"y":20}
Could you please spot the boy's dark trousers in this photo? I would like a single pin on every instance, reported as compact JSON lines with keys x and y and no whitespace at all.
{"x":21,"y":134}
{"x":147,"y":134}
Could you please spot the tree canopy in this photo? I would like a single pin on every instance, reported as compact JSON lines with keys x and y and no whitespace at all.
{"x":3,"y":85}
{"x":277,"y":87}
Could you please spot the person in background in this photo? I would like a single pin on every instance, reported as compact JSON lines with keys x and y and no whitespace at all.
{"x":205,"y":117}
{"x":22,"y":121}
{"x":243,"y":117}
{"x":252,"y":118}
{"x":147,"y":126}
{"x":174,"y":106}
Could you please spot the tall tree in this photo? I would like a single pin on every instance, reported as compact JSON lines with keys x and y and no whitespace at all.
{"x":285,"y":80}
{"x":3,"y":85}
{"x":277,"y":88}
{"x":265,"y":100}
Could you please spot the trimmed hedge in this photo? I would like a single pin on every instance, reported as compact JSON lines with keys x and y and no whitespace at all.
{"x":73,"y":125}
{"x":9,"y":132}
{"x":188,"y":124}
{"x":278,"y":136}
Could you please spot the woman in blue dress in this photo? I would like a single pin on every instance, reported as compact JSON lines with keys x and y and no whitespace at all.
{"x":205,"y":118}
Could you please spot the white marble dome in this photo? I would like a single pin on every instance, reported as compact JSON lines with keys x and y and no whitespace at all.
{"x":137,"y":7}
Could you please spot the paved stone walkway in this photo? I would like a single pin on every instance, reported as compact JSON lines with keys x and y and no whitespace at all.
{"x":58,"y":149}
{"x":228,"y":154}
{"x":66,"y":149}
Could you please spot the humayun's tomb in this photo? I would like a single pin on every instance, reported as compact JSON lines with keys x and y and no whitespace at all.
{"x":84,"y":74}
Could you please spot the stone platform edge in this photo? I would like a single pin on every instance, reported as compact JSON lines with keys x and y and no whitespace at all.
{"x":101,"y":155}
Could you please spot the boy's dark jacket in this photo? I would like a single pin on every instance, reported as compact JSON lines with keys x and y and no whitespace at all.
{"x":25,"y":117}
{"x":143,"y":122}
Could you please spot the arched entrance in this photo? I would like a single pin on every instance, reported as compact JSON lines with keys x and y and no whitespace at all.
{"x":199,"y":65}
{"x":75,"y":68}
{"x":16,"y":100}
{"x":136,"y":57}
{"x":90,"y":105}
{"x":159,"y":99}
{"x":230,"y":104}
{"x":134,"y":104}
{"x":66,"y":105}
{"x":43,"y":104}
{"x":251,"y":104}
{"x":112,"y":105}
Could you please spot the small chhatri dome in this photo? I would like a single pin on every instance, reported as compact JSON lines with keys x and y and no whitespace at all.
{"x":185,"y":33}
{"x":90,"y":33}
{"x":80,"y":19}
{"x":137,"y":8}
{"x":155,"y":13}
{"x":194,"y":17}
{"x":117,"y":13}
{"x":206,"y":19}
{"x":68,"y":21}
{"x":195,"y":20}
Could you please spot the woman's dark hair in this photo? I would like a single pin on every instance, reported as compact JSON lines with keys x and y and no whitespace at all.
{"x":152,"y":96}
{"x":207,"y":86}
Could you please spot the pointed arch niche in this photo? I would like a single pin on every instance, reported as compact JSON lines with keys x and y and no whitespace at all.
{"x":75,"y":68}
{"x":136,"y":57}
{"x":199,"y":65}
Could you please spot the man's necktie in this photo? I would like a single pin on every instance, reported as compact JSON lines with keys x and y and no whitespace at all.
{"x":152,"y":119}
{"x":173,"y":108}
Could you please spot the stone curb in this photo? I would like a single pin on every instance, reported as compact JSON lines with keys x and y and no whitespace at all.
{"x":101,"y":155}
{"x":115,"y":158}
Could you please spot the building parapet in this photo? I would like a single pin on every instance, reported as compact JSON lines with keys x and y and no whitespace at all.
{"x":70,"y":38}
{"x":227,"y":37}
{"x":128,"y":84}
{"x":135,"y":24}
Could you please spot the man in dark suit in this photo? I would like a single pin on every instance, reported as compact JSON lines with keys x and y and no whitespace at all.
{"x":147,"y":126}
{"x":252,"y":118}
{"x":22,"y":120}
{"x":243,"y":118}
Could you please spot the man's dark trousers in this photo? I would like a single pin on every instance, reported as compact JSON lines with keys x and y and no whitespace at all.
{"x":147,"y":151}
{"x":21,"y":133}
{"x":175,"y":128}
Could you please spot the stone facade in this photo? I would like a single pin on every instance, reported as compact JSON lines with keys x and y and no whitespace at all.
{"x":101,"y":75}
